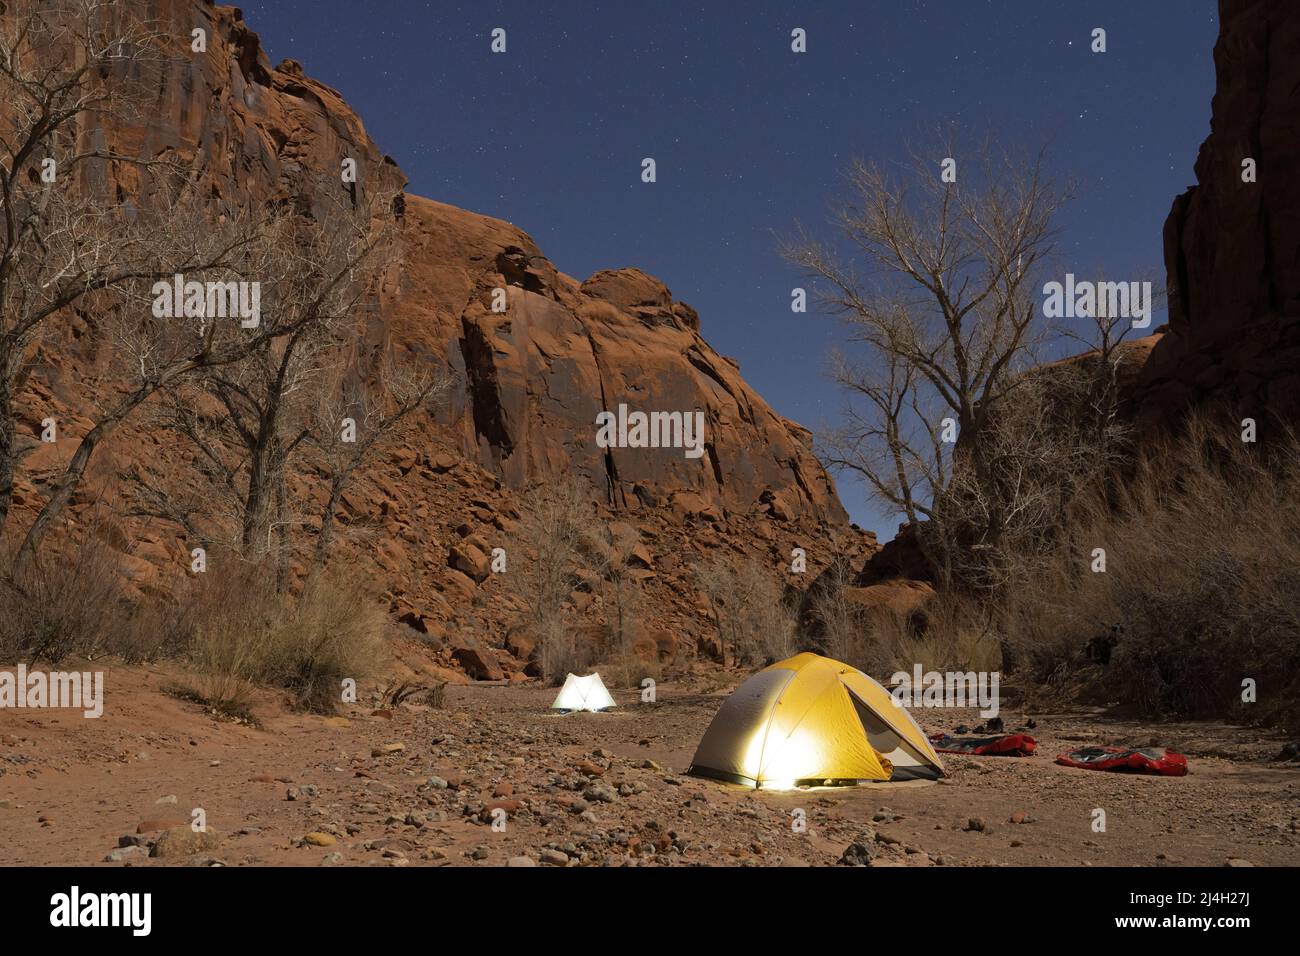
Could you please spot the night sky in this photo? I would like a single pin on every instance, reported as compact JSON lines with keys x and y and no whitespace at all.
{"x":749,"y":137}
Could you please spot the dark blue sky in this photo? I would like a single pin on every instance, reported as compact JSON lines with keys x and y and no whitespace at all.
{"x":749,"y":137}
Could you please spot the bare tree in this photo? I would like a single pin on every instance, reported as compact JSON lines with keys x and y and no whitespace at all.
{"x":548,"y":546}
{"x":248,"y":420}
{"x":610,"y":547}
{"x":941,"y":305}
{"x":63,"y":239}
{"x":352,"y":418}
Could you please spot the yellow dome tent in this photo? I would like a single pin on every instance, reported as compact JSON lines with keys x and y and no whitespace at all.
{"x":811,"y":720}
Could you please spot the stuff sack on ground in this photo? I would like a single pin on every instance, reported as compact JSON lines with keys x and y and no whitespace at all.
{"x":1008,"y":745}
{"x":1154,"y":760}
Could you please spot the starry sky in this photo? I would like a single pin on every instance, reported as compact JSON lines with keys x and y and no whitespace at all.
{"x":750,"y":137}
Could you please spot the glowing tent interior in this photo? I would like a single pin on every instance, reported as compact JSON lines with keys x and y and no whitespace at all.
{"x":811,"y":720}
{"x":583,"y":693}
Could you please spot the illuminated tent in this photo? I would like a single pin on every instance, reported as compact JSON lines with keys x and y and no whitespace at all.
{"x":810,"y":720}
{"x":583,"y":693}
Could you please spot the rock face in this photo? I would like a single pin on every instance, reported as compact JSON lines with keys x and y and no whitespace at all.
{"x":1232,"y":248}
{"x":537,"y":375}
{"x":531,"y":380}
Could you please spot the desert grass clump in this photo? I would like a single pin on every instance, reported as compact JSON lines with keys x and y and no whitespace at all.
{"x":64,"y":604}
{"x":954,"y":632}
{"x":1200,"y":594}
{"x":73,"y":601}
{"x":248,"y":634}
{"x":947,"y":630}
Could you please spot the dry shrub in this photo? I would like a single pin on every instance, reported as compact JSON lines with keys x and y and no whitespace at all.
{"x":843,"y":627}
{"x":561,"y":650}
{"x":623,"y":666}
{"x":549,"y":542}
{"x":70,"y":601}
{"x":1201,"y":589}
{"x":247,"y":634}
{"x":756,"y":622}
{"x":398,"y":692}
{"x":61,"y":604}
{"x":951,"y":632}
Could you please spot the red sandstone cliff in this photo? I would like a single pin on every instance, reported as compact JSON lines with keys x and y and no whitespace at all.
{"x":530,"y":382}
{"x":1232,"y":248}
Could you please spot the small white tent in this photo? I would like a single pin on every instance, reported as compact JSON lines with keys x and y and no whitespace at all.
{"x":583,"y":693}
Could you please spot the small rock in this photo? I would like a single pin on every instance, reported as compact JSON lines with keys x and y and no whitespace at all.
{"x":184,"y":841}
{"x":857,"y":854}
{"x":599,"y":793}
{"x":125,"y":853}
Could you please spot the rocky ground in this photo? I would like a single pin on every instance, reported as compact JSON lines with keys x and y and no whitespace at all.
{"x":423,"y":787}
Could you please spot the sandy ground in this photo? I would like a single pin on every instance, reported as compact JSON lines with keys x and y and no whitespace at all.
{"x":593,"y":789}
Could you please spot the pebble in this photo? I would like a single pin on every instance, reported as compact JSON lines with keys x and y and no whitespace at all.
{"x":599,"y":793}
{"x":124,"y":853}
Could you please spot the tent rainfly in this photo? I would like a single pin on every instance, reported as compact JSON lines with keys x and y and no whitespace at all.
{"x":583,"y":693}
{"x":811,"y":721}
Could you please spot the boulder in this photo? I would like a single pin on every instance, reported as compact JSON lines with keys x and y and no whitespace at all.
{"x":184,"y":841}
{"x":470,"y":561}
{"x":476,"y":658}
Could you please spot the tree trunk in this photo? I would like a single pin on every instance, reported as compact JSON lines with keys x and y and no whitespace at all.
{"x":72,"y":475}
{"x":8,"y":456}
{"x":326,"y":536}
{"x":258,"y":501}
{"x":281,"y":535}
